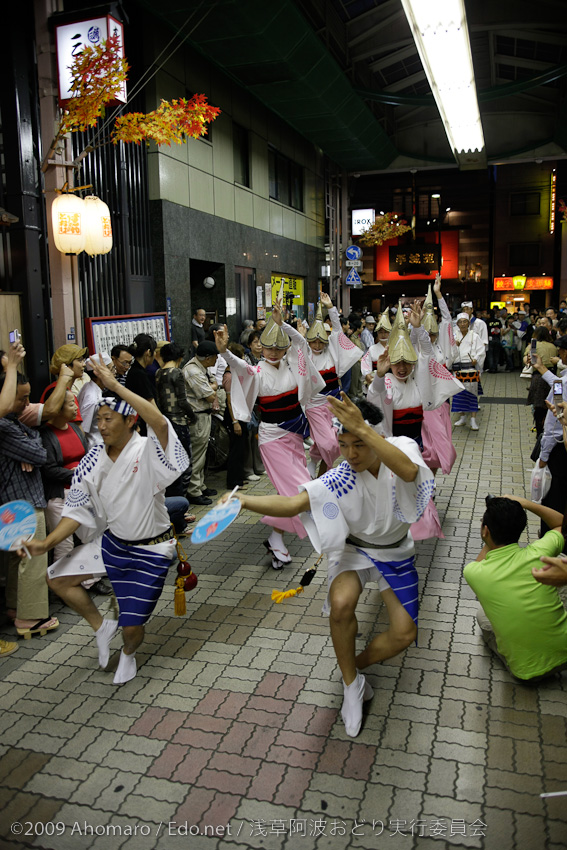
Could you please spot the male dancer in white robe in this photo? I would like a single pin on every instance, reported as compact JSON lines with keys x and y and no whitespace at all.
{"x":359,"y":515}
{"x":116,"y":504}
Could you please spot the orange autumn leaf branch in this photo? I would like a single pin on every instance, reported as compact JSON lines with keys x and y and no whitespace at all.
{"x":98,"y":75}
{"x":173,"y":121}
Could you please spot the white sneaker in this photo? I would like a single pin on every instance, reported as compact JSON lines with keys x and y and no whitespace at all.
{"x":354,"y":695}
{"x":460,"y":421}
{"x":253,"y":477}
{"x":474,"y":426}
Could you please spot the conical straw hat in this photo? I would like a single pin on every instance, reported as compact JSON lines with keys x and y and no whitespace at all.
{"x":429,"y":321}
{"x":273,"y":336}
{"x":399,"y":345}
{"x":384,"y":322}
{"x":317,"y":328}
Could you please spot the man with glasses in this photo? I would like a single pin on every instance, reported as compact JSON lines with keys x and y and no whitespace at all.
{"x":122,"y":359}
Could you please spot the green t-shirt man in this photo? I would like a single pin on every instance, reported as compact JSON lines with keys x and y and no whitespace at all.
{"x":528,"y":618}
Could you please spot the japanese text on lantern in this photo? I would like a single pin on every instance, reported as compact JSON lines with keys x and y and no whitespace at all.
{"x":69,"y":224}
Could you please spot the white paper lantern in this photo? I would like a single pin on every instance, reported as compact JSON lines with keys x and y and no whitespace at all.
{"x":98,"y":226}
{"x":68,"y":219}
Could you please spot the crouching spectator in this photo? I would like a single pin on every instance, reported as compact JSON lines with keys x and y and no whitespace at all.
{"x":523,"y":621}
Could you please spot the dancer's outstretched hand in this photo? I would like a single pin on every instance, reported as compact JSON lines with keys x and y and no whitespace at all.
{"x":221,"y":339}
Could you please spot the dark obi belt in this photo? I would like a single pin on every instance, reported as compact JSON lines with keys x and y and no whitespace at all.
{"x":407,"y":422}
{"x":276,"y":409}
{"x":331,"y":381}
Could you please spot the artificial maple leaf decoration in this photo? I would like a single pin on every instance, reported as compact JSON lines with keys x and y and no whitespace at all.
{"x":170,"y":122}
{"x":98,"y":74}
{"x":386,"y":226}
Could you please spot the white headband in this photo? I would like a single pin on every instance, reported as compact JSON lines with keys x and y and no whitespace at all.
{"x":463,"y":316}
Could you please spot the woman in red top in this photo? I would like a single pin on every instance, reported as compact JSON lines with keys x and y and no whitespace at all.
{"x":66,"y":444}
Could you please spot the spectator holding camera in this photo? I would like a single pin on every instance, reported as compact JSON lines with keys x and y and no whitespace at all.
{"x":523,"y":621}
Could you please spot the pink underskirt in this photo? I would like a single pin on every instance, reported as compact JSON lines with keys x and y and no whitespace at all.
{"x":326,"y":444}
{"x":436,"y":433}
{"x":284,"y":461}
{"x":428,"y":524}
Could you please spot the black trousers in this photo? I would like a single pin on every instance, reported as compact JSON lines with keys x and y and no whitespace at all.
{"x":557,"y":495}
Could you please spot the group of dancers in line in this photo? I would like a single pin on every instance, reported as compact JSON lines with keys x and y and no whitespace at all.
{"x":405,"y":378}
{"x":359,"y":513}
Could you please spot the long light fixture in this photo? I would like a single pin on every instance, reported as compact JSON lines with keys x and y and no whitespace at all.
{"x":439,"y":29}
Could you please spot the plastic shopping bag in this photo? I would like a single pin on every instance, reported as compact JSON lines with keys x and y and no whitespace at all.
{"x":540,"y":482}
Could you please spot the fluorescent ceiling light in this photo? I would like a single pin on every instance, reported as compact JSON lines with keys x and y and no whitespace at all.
{"x":440,"y":31}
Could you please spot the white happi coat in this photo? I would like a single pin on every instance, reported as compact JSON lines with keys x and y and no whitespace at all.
{"x":379,"y":510}
{"x":126,"y":496}
{"x":470,"y":347}
{"x":445,"y":349}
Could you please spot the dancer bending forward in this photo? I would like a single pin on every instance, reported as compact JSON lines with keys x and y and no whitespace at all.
{"x":359,"y":515}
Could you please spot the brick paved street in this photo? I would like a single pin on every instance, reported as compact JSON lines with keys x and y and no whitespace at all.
{"x":232,"y":723}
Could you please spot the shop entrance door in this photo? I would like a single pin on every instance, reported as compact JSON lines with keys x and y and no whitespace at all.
{"x":245,"y":291}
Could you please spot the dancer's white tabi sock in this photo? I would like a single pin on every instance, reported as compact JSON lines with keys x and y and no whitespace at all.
{"x":278,"y":547}
{"x":354,"y":695}
{"x":126,"y":669}
{"x":104,"y":635}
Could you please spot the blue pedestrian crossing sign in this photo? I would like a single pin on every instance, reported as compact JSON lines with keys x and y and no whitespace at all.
{"x":353,"y":252}
{"x":353,"y":278}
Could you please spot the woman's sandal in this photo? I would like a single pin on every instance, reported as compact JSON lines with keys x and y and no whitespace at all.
{"x":39,"y":628}
{"x":278,"y":556}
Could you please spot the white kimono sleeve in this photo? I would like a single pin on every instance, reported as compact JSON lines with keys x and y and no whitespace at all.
{"x":380,"y":394}
{"x":410,"y":498}
{"x":165,"y":465}
{"x":82,"y":502}
{"x":324,"y":523}
{"x":344,"y":352}
{"x":244,"y":388}
{"x":446,"y":336}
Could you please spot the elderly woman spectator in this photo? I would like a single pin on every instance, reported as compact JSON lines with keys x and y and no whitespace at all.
{"x":74,"y":358}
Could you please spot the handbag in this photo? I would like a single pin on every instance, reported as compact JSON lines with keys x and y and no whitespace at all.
{"x":527,"y":372}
